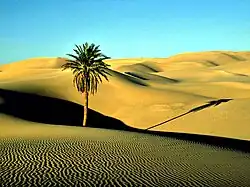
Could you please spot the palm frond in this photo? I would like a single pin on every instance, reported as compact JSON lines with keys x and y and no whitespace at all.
{"x":88,"y":67}
{"x":77,"y":58}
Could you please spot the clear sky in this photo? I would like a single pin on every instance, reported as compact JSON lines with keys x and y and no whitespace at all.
{"x":123,"y":28}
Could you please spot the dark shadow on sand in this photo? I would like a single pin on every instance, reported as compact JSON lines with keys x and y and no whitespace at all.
{"x":230,"y":143}
{"x":196,"y":109}
{"x":220,"y":142}
{"x":54,"y":111}
{"x":235,"y":57}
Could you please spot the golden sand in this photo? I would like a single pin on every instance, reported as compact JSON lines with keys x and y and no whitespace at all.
{"x":44,"y":155}
{"x":141,"y":93}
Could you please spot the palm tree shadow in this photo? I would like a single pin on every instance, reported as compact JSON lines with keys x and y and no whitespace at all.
{"x":222,"y":142}
{"x":48,"y":110}
{"x":196,"y":109}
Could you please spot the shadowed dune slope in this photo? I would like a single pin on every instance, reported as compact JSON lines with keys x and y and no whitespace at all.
{"x":49,"y":110}
{"x":143,"y":92}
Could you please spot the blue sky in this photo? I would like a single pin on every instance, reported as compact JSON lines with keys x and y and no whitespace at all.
{"x":123,"y":28}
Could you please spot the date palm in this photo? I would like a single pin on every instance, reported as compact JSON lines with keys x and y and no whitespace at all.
{"x":88,"y":68}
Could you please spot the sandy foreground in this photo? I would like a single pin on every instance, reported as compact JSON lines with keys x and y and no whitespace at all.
{"x":40,"y":155}
{"x":37,"y":100}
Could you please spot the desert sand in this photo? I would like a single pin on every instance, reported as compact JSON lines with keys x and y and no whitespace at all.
{"x":144,"y":92}
{"x":47,"y":155}
{"x":39,"y":103}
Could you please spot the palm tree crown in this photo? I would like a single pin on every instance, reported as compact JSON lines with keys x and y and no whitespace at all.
{"x":88,"y":67}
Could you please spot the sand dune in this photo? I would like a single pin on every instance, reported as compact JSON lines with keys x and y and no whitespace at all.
{"x":147,"y":91}
{"x":236,"y":68}
{"x":216,"y":120}
{"x":40,"y":63}
{"x":214,"y":58}
{"x":39,"y":107}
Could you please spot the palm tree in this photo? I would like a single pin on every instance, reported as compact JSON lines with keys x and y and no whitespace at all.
{"x":88,"y":69}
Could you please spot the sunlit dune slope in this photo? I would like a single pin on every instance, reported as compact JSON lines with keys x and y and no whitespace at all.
{"x":145,"y":91}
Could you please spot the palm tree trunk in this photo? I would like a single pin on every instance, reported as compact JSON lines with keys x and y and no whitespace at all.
{"x":86,"y":101}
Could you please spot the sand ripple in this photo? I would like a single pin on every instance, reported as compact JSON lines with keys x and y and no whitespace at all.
{"x":119,"y":159}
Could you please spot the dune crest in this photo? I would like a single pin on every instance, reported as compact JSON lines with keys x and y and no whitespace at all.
{"x":35,"y":63}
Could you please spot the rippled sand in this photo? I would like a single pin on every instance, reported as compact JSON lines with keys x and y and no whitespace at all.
{"x":101,"y":157}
